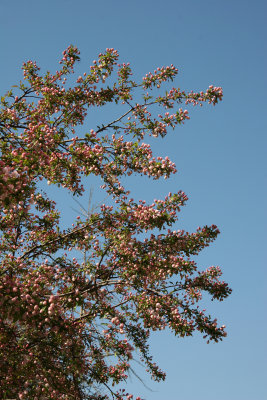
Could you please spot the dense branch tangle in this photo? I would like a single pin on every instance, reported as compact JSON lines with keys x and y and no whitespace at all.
{"x":69,"y":326}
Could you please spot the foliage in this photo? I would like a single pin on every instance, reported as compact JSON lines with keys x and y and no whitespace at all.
{"x":69,"y":328}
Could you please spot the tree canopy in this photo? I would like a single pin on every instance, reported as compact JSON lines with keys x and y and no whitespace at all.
{"x":70,"y":326}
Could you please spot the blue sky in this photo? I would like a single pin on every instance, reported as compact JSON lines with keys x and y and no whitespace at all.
{"x":219,"y":153}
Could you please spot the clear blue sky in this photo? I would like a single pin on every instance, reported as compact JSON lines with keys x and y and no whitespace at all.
{"x":219,"y":153}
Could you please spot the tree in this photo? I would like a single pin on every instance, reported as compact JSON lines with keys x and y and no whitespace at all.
{"x":69,"y":328}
